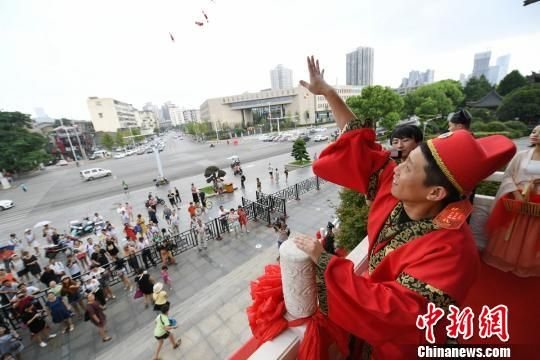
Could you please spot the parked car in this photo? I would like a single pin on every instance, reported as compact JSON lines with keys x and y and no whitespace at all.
{"x":119,"y":155}
{"x":94,"y":173}
{"x":62,"y":163}
{"x":318,"y":138}
{"x":6,"y":204}
{"x":100,"y":154}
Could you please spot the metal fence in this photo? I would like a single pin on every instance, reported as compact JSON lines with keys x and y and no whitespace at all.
{"x":260,"y":210}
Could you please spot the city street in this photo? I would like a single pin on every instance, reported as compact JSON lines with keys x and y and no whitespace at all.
{"x":58,"y":194}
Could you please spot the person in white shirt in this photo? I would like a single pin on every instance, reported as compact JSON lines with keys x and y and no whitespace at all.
{"x":223,"y":214}
{"x":175,"y":223}
{"x":31,"y":240}
{"x":233,"y":219}
{"x":143,"y":245}
{"x":18,"y":267}
{"x":125,"y":217}
{"x":200,"y":231}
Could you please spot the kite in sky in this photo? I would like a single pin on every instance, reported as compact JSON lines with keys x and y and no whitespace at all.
{"x":199,"y":23}
{"x":172,"y":37}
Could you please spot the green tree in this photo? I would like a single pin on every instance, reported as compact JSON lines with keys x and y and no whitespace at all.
{"x":380,"y":104}
{"x":299,"y":151}
{"x":439,"y":98}
{"x":523,"y":103}
{"x":512,"y":81}
{"x":119,"y":139}
{"x":20,"y":149}
{"x":352,"y":214}
{"x":476,"y":88}
{"x":107,"y":141}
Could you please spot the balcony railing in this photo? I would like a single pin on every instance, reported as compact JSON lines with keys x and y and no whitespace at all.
{"x":286,"y":345}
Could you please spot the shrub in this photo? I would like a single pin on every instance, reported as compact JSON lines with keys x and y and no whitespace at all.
{"x":495,"y":126}
{"x":478,"y":126}
{"x":352,"y":213}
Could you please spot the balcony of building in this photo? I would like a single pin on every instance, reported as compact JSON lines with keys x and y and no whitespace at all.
{"x":492,"y":287}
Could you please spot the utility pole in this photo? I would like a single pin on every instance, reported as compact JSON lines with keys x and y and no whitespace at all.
{"x":83,"y":152}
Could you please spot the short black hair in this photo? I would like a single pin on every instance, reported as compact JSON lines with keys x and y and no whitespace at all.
{"x":407,"y":131}
{"x":435,"y":176}
{"x":462,"y":117}
{"x":165,"y":308}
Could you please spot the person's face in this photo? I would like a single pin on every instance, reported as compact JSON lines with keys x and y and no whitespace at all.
{"x":51,"y":297}
{"x":91,"y":297}
{"x":535,"y":136}
{"x":408,"y":183}
{"x":405,"y":145}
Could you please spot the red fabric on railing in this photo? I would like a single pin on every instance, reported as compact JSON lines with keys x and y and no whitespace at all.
{"x":266,"y":319}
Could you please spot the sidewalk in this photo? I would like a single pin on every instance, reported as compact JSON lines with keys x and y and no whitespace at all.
{"x":211,"y":292}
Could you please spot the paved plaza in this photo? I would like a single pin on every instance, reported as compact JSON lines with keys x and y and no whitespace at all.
{"x":209,"y":296}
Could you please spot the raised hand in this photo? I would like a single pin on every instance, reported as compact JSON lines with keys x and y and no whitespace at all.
{"x":310,"y":246}
{"x":317,"y":85}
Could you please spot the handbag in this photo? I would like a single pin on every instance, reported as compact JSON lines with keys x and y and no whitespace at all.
{"x":138,"y":294}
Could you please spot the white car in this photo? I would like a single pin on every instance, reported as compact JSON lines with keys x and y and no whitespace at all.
{"x":119,"y":155}
{"x":94,"y":173}
{"x":62,"y":163}
{"x":6,"y":204}
{"x":318,"y":138}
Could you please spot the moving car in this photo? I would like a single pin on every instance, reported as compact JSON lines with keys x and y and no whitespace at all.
{"x":6,"y":204}
{"x":94,"y":173}
{"x":100,"y":154}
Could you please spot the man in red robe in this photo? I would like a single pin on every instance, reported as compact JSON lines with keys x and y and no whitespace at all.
{"x":420,"y":248}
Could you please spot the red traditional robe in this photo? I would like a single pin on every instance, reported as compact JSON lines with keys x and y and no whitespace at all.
{"x":411,"y":263}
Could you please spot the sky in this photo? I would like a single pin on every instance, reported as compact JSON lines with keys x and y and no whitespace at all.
{"x":55,"y":54}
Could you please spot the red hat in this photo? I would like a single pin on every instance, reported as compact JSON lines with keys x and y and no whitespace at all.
{"x":466,"y":161}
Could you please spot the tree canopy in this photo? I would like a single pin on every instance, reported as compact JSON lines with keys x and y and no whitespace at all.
{"x":299,"y":151}
{"x":512,"y":81}
{"x":476,"y":88}
{"x":377,"y":103}
{"x":522,"y":103}
{"x":107,"y":141}
{"x":434,"y":99}
{"x":21,"y":149}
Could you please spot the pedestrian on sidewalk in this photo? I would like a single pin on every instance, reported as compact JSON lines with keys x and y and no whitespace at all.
{"x":242,"y":181}
{"x":160,"y":296}
{"x":31,"y":240}
{"x":167,"y":214}
{"x":143,"y":245}
{"x":286,"y":171}
{"x":129,"y":210}
{"x":34,"y":319}
{"x":175,"y":223}
{"x":23,"y":187}
{"x":270,"y":170}
{"x":152,"y":215}
{"x":172,"y":199}
{"x":177,"y":197}
{"x":194,"y":193}
{"x":200,"y":231}
{"x":258,"y":185}
{"x":277,"y":175}
{"x":146,"y":286}
{"x":59,"y":312}
{"x":242,"y":218}
{"x":233,"y":220}
{"x":94,"y":313}
{"x":165,"y":276}
{"x":163,"y":329}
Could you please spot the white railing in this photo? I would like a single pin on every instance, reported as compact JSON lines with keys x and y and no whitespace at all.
{"x":286,"y":345}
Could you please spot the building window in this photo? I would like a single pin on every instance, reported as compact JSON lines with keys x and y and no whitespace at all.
{"x":98,"y":103}
{"x":100,"y":115}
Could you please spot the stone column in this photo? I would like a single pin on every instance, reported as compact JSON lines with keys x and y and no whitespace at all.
{"x":298,"y":279}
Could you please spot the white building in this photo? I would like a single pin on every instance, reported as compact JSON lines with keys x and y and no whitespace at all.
{"x":177,"y":116}
{"x":296,"y":103}
{"x":147,"y":121}
{"x":494,"y":73}
{"x":191,"y":115}
{"x":281,"y":78}
{"x":360,"y":67}
{"x":109,"y":115}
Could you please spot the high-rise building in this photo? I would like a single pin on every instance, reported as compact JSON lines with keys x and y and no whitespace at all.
{"x":481,"y":64}
{"x":109,"y":115}
{"x":415,"y":80}
{"x":503,"y":63}
{"x":281,"y":78}
{"x":177,"y":115}
{"x":360,"y":67}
